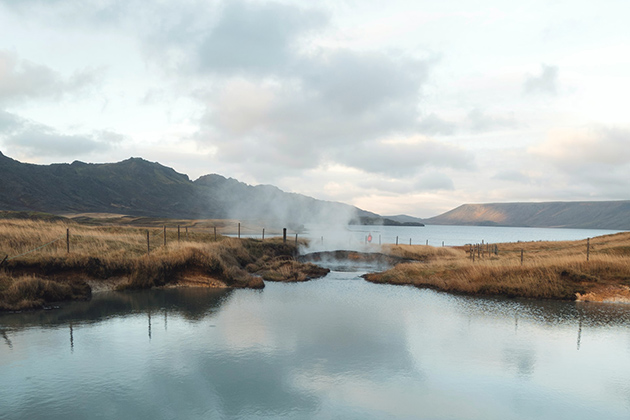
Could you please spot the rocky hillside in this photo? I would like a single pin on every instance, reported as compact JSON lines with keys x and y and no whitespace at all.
{"x":141,"y":188}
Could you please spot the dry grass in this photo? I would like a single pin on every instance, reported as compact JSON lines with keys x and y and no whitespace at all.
{"x":423,"y":253}
{"x":102,"y":253}
{"x":556,"y":270}
{"x":29,"y":292}
{"x":286,"y":270}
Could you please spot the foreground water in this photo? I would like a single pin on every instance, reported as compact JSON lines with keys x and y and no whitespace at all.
{"x":332,"y":348}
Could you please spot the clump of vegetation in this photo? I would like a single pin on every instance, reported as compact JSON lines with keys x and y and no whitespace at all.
{"x":30,"y":292}
{"x":284,"y":269}
{"x":222,"y":261}
{"x":557,"y":270}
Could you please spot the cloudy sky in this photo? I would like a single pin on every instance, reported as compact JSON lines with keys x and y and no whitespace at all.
{"x":394,"y":106}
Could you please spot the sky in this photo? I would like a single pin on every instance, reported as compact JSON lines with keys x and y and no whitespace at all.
{"x":397,"y":107}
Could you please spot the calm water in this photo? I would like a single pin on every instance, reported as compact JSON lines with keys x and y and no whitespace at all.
{"x":335,"y":348}
{"x":355,"y":236}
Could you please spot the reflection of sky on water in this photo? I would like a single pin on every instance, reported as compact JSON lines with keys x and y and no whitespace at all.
{"x":324,"y":349}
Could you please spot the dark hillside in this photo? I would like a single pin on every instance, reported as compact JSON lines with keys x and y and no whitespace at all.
{"x":137,"y":187}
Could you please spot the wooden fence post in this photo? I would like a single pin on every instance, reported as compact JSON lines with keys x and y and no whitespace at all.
{"x":396,"y":240}
{"x":148,"y":246}
{"x":284,"y":235}
{"x":296,"y":243}
{"x":68,"y":240}
{"x":409,"y":241}
{"x":215,"y":234}
{"x":178,"y":233}
{"x":588,"y":248}
{"x":263,"y":236}
{"x":239,"y":230}
{"x":164,"y":236}
{"x":522,"y":256}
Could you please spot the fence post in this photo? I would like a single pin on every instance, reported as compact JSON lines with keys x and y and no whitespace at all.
{"x":396,"y":240}
{"x":148,"y":245}
{"x":522,"y":256}
{"x":379,"y":239}
{"x":215,"y":234}
{"x":239,"y":230}
{"x":263,"y":237}
{"x":165,"y":236}
{"x":186,"y":232}
{"x":427,"y":242}
{"x":409,"y":241}
{"x":588,"y":248}
{"x":296,"y":244}
{"x":178,"y":233}
{"x":284,"y":235}
{"x":68,"y":240}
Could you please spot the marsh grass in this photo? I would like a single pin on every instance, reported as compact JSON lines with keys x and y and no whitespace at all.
{"x":284,"y":269}
{"x":35,"y":275}
{"x":550,"y":269}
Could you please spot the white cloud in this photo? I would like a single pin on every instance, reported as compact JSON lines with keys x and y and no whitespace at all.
{"x":545,"y":83}
{"x":36,"y":141}
{"x":574,"y":150}
{"x":312,"y":96}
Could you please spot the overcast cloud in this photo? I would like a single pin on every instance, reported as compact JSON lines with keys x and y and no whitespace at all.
{"x":396,"y":107}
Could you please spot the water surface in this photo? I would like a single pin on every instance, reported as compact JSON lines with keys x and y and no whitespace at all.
{"x":332,"y":348}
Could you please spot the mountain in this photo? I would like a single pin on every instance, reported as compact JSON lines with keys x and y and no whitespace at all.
{"x":141,"y":188}
{"x":406,"y":220}
{"x":581,"y":214}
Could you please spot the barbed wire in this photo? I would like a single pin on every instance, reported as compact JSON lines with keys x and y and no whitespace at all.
{"x":36,"y":249}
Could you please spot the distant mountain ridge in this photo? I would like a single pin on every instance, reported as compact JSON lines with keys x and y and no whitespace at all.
{"x":580,"y":214}
{"x":141,"y":188}
{"x":138,"y":187}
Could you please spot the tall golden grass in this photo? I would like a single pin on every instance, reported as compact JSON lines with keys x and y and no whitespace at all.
{"x":34,"y":273}
{"x":556,"y":270}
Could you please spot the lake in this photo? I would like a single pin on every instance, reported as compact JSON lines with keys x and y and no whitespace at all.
{"x":337,"y":347}
{"x":354,"y":236}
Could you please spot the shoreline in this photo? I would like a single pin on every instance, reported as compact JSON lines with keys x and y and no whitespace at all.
{"x":101,"y":258}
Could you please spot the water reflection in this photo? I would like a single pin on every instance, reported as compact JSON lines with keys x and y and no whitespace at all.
{"x":332,"y":348}
{"x":192,"y":304}
{"x":6,"y":338}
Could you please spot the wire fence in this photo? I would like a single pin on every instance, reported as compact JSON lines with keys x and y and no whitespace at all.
{"x":145,"y":239}
{"x":102,"y":238}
